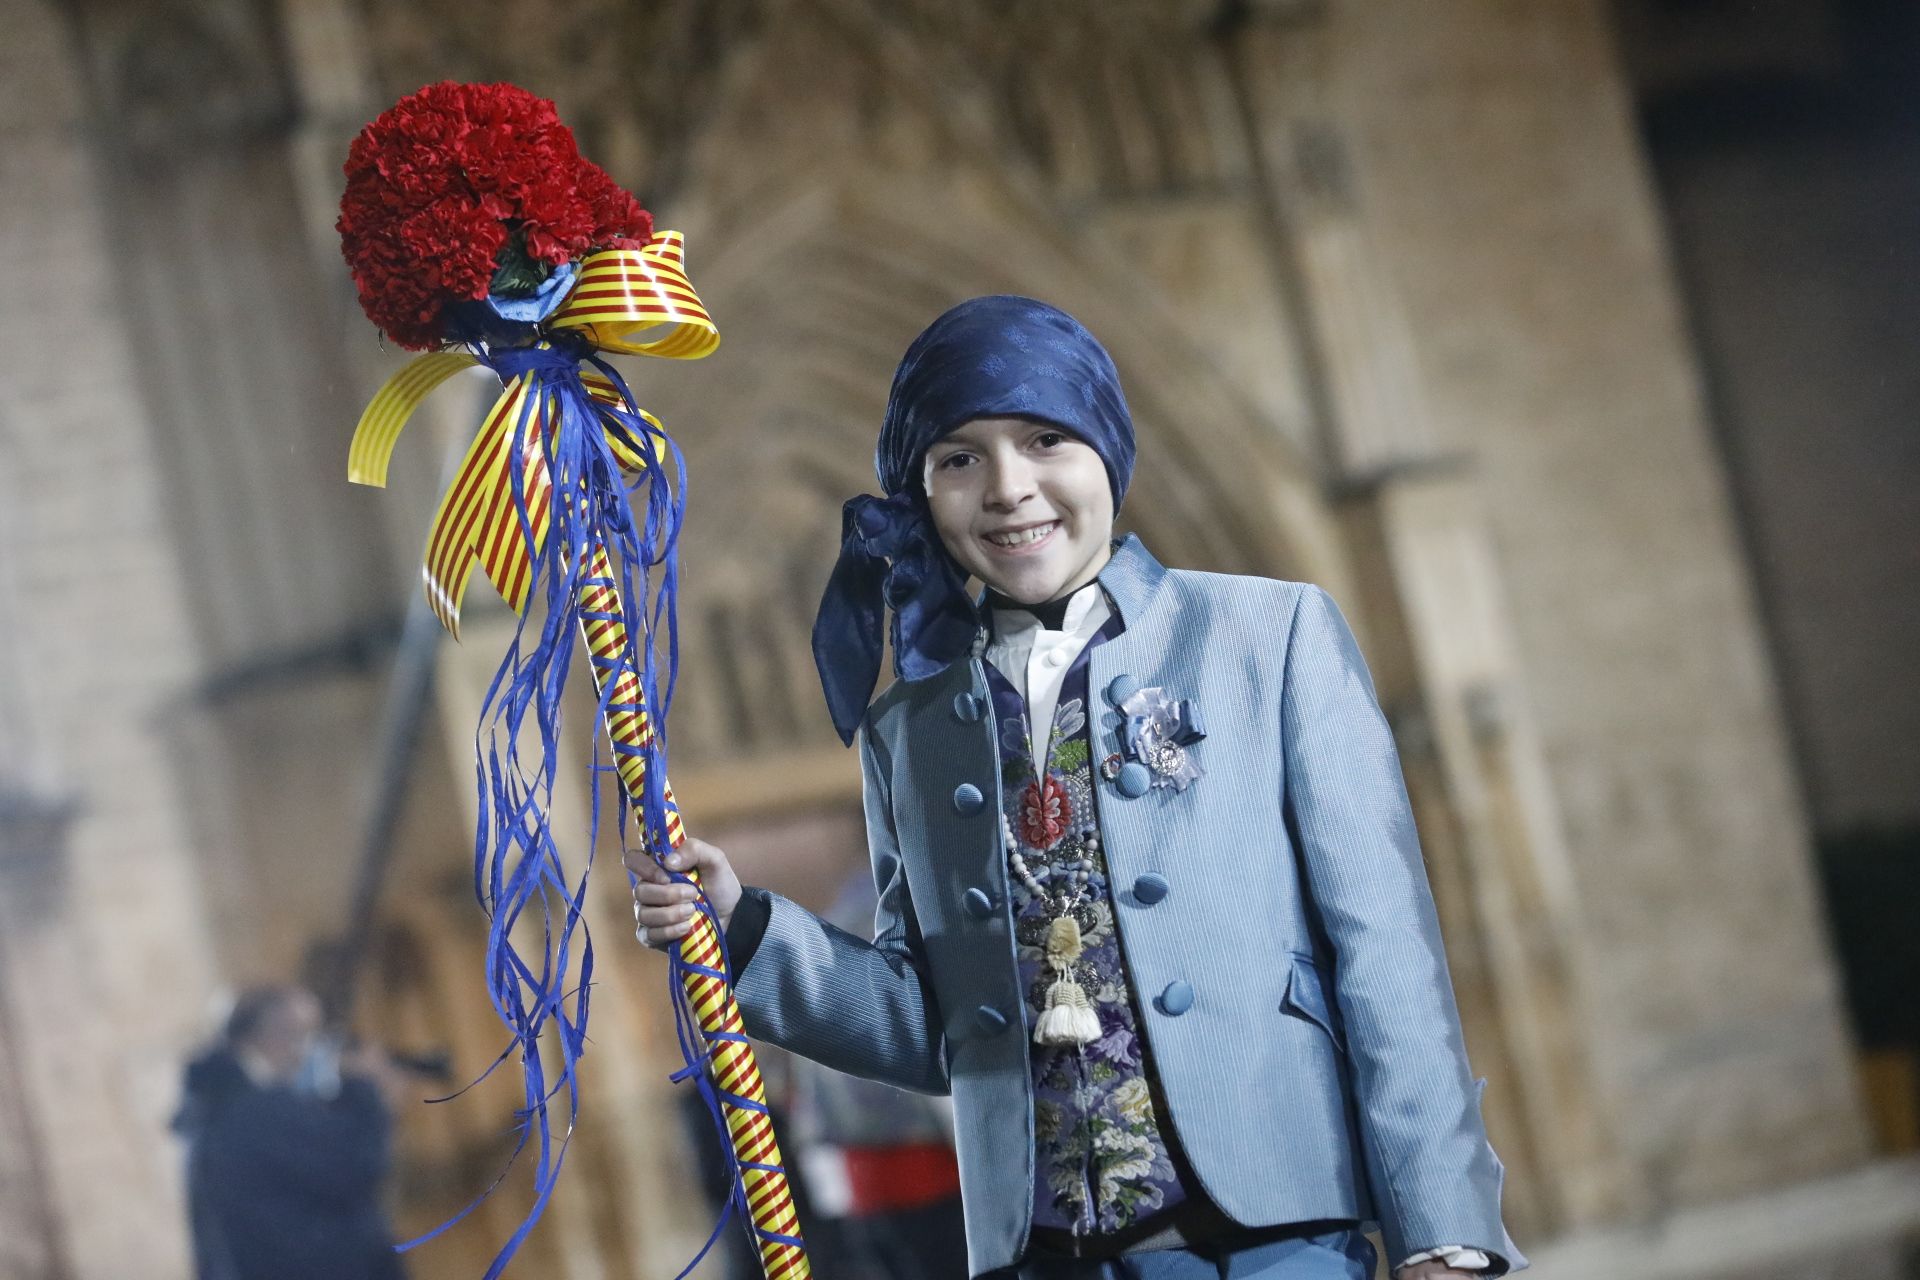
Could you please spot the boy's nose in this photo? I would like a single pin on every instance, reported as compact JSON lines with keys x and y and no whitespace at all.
{"x":1008,"y":485}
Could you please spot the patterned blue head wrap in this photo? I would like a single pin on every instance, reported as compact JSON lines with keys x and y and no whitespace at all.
{"x":1000,"y":356}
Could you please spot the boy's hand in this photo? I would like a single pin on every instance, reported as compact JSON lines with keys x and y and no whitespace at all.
{"x":663,"y":909}
{"x":1434,"y":1269}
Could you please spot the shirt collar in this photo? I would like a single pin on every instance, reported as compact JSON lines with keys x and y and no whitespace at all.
{"x":1087,"y":609}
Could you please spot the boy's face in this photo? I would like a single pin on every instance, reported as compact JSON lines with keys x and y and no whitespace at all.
{"x":1023,"y":506}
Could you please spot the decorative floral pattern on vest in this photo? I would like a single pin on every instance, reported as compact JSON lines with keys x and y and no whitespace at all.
{"x":1102,"y":1165}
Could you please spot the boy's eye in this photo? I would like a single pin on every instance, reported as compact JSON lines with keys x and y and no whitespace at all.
{"x":1050,"y":439}
{"x":953,"y":461}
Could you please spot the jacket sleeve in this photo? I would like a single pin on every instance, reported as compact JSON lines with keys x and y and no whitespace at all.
{"x":1435,"y":1179}
{"x":865,"y":1008}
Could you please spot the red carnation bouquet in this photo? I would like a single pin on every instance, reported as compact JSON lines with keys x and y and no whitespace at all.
{"x":466,"y":208}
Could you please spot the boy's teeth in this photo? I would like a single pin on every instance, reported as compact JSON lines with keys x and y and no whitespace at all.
{"x":1020,"y":538}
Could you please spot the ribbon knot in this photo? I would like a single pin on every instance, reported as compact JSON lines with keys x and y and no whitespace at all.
{"x":880,"y":527}
{"x":890,"y":558}
{"x":560,"y":352}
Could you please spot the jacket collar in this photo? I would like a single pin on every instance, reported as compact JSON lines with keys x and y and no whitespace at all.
{"x":1132,"y":578}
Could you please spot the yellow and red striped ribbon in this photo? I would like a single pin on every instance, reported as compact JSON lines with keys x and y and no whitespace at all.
{"x":731,"y":1064}
{"x":639,"y":302}
{"x":629,"y":727}
{"x":628,"y":301}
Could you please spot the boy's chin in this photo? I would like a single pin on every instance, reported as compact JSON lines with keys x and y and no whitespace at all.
{"x":1035,"y":583}
{"x":1028,"y":588}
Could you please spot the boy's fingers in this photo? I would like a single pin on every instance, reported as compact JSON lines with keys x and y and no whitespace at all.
{"x":665,"y":936}
{"x":659,"y":895}
{"x":661,"y":917}
{"x":695,"y":854}
{"x":663,"y":907}
{"x":642,"y":864}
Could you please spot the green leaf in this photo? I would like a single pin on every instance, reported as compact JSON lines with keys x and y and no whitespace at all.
{"x":515,"y":274}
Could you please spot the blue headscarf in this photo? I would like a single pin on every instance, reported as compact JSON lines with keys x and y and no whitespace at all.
{"x":999,"y":356}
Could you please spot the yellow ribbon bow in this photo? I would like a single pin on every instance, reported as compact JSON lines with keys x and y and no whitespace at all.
{"x":626,"y":301}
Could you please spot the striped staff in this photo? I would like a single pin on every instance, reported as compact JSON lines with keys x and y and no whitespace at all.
{"x":543,"y":502}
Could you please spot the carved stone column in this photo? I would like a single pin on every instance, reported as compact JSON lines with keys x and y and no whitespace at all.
{"x":1585,"y":626}
{"x":32,"y":858}
{"x":1437,"y":634}
{"x":238,"y":351}
{"x":1432,"y":616}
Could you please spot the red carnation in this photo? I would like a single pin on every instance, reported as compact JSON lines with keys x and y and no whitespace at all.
{"x":453,"y":177}
{"x":619,"y":221}
{"x":1045,"y":812}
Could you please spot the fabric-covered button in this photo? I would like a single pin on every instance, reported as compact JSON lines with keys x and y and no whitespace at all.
{"x":1133,"y":780}
{"x":990,"y":1019}
{"x":967,"y":800}
{"x":1176,"y":999}
{"x":979,"y":903}
{"x":1150,"y":888}
{"x":968,"y":708}
{"x":1120,"y":688}
{"x":1055,"y":658}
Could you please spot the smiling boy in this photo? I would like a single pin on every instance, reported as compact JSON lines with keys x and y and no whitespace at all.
{"x":1021,"y":506}
{"x":1152,"y":906}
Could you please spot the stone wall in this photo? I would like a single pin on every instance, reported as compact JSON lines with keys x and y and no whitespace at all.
{"x":107,"y":961}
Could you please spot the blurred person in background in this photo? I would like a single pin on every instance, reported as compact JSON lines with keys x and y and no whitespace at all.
{"x":288,"y":1143}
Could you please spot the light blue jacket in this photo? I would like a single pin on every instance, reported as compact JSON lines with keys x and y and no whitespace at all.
{"x":1317,"y":1072}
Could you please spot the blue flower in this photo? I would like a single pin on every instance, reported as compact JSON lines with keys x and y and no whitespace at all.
{"x":1115,"y":1046}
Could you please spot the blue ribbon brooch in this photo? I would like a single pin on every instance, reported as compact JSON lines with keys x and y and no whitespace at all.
{"x":1157,"y":731}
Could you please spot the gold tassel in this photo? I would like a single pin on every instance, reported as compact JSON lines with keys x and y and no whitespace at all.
{"x":1063,"y":942}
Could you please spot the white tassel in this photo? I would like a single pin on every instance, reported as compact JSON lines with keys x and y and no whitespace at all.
{"x":1069,"y":1018}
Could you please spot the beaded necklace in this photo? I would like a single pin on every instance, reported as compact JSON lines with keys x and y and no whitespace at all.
{"x":1068,"y":1017}
{"x":1059,"y":878}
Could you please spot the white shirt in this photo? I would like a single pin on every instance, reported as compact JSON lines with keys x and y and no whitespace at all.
{"x":1035,"y":660}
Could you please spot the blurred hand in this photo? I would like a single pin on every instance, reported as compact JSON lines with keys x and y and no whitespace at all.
{"x":369,"y":1062}
{"x":663,"y":910}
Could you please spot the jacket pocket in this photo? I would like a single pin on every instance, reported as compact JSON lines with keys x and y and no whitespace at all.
{"x":1307,"y":997}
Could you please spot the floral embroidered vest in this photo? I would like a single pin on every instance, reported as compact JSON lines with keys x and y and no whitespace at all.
{"x":1102,"y":1164}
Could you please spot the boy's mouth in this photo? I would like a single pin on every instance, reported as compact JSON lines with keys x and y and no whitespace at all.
{"x":1016,"y":539}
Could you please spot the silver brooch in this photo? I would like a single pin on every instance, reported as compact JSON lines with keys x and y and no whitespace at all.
{"x":1158,"y":732}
